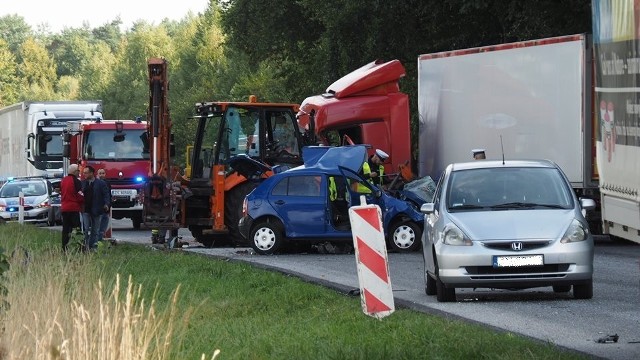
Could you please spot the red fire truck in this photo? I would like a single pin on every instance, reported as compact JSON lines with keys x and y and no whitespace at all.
{"x":121,"y":147}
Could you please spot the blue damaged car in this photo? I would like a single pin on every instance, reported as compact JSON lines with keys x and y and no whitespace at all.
{"x":310,"y":204}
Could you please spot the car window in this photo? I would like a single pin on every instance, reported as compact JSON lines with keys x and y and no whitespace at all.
{"x":496,"y":187}
{"x":298,"y":186}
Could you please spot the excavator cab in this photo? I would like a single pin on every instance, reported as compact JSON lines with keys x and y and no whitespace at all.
{"x":247,"y":140}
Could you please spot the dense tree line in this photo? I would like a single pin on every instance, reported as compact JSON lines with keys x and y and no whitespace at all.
{"x":279,"y":50}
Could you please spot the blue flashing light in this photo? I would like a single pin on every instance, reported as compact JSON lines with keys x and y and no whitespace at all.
{"x":139,"y":179}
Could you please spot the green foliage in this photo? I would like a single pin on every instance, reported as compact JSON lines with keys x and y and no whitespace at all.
{"x":9,"y":82}
{"x":15,"y":31}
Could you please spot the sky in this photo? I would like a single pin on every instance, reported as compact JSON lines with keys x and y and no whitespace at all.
{"x":73,"y":13}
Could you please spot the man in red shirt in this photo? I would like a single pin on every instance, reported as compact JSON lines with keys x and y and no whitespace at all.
{"x":71,"y":203}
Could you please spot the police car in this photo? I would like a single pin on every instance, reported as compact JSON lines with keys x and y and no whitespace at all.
{"x":37,"y":196}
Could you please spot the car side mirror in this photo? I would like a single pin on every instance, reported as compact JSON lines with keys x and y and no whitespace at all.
{"x":587,"y":204}
{"x":427,"y":208}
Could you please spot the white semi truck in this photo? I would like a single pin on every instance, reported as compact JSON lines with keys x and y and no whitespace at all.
{"x":617,"y":115}
{"x":525,"y":100}
{"x":30,"y":135}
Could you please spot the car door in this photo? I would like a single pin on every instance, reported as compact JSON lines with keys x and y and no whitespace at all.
{"x":301,"y":203}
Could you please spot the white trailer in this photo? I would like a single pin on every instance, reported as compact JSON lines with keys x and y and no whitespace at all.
{"x":617,"y":109}
{"x":30,"y":135}
{"x":525,"y":100}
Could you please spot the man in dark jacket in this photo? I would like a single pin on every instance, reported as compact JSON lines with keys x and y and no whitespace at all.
{"x":71,"y":203}
{"x":97,"y":198}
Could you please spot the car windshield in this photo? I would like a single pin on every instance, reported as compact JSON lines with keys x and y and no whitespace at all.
{"x":508,"y":188}
{"x":10,"y":190}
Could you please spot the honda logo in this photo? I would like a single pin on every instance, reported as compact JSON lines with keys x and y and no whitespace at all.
{"x":517,"y":246}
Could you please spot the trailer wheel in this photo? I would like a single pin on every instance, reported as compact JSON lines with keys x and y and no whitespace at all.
{"x":404,"y":236}
{"x":266,"y":237}
{"x":233,"y":209}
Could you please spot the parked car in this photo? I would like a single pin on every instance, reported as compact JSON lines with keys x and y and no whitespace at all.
{"x":297,"y":205}
{"x":37,"y":193}
{"x":508,"y":225}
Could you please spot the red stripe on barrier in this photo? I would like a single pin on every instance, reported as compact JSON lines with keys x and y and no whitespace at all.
{"x":372,"y":260}
{"x":370,"y":215}
{"x":373,"y":303}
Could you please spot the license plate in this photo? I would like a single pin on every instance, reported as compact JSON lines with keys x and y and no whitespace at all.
{"x":123,"y":192}
{"x":14,"y":215}
{"x":518,"y":260}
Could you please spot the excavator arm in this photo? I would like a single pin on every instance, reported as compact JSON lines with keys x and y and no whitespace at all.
{"x":161,"y":194}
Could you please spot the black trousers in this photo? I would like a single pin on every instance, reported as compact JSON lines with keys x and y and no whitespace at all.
{"x":70,"y":221}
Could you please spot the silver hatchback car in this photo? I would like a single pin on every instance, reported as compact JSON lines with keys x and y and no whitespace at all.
{"x":507,"y":225}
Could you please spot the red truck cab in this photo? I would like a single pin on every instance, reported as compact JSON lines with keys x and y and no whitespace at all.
{"x":121,"y":148}
{"x":367,"y":107}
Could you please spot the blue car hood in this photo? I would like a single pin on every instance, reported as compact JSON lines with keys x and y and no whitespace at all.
{"x":514,"y":224}
{"x":330,"y":159}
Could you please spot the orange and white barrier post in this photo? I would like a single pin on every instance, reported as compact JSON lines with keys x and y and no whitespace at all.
{"x":376,"y":294}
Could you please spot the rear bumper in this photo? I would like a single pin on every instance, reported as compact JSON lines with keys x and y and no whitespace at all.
{"x":244,"y":225}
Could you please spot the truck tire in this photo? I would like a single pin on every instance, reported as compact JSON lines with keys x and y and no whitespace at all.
{"x":233,"y":209}
{"x":137,"y":221}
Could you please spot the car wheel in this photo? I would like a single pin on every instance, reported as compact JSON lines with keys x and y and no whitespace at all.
{"x":266,"y":237}
{"x":583,"y":291}
{"x":430,"y":287}
{"x":444,"y":294}
{"x":51,"y":221}
{"x":561,"y":288}
{"x":405,"y":236}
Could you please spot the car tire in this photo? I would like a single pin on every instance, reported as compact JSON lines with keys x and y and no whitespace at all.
{"x":561,"y":288}
{"x":444,"y":294}
{"x":266,"y":237}
{"x":583,"y":291}
{"x":51,"y":220}
{"x":430,"y":287}
{"x":404,"y":236}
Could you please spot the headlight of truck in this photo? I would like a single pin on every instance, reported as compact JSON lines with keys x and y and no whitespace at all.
{"x":454,"y":236}
{"x":575,"y":232}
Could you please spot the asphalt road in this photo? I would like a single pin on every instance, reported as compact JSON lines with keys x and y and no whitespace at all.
{"x":537,"y":313}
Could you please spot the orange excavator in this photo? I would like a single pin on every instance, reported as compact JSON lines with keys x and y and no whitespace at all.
{"x":236,"y":145}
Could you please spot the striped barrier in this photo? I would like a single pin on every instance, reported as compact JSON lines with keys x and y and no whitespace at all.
{"x":376,"y":294}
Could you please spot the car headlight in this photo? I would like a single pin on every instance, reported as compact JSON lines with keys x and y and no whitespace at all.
{"x":452,"y":235}
{"x":575,"y":232}
{"x":43,"y":204}
{"x":3,"y":208}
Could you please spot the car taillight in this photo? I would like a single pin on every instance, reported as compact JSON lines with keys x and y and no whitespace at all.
{"x":244,"y":207}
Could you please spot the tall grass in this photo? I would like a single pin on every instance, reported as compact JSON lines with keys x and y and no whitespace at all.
{"x":177,"y":305}
{"x":59,"y":309}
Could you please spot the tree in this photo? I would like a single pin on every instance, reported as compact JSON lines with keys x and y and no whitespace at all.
{"x":14,"y":30}
{"x":37,"y":70}
{"x":9,"y":81}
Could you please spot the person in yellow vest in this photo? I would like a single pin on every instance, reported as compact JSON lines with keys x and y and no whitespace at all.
{"x":373,"y":170}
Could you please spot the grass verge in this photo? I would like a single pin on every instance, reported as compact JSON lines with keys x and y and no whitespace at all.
{"x":175,"y":305}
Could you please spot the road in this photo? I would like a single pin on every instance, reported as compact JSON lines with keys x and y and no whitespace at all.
{"x":536,"y":313}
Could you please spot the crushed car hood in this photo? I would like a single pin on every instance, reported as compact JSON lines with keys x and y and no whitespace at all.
{"x":330,"y":159}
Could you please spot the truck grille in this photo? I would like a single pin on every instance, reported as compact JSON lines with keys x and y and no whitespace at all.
{"x":124,"y":181}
